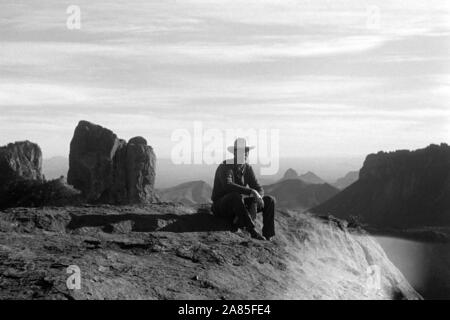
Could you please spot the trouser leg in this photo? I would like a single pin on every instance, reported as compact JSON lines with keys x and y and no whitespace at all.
{"x":268,"y":212}
{"x":232,"y":205}
{"x":268,"y":217}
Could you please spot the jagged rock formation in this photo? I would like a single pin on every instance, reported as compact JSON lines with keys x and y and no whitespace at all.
{"x":20,"y":161}
{"x":297,"y":194}
{"x":107,"y":169}
{"x":399,"y":189}
{"x":174,"y":252}
{"x":188,"y":193}
{"x":346,"y":180}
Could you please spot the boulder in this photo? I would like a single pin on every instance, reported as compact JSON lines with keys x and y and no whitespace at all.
{"x":117,"y":192}
{"x":20,"y":161}
{"x":92,"y":152}
{"x":138,"y":140}
{"x":107,"y":169}
{"x":140,"y":170}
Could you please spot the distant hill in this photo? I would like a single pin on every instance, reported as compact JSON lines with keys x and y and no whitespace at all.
{"x":311,"y":177}
{"x":169,"y":174}
{"x":346,"y":180}
{"x":55,"y":167}
{"x":398,"y":189}
{"x":290,"y":174}
{"x":308,"y":177}
{"x":295,"y":193}
{"x":188,"y":193}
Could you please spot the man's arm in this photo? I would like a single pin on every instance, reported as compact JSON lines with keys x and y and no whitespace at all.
{"x":253,"y":182}
{"x":230,"y":185}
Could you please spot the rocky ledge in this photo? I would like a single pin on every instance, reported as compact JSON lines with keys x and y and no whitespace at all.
{"x":169,"y":251}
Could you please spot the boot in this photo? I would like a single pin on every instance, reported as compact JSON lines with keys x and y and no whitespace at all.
{"x":255,"y":234}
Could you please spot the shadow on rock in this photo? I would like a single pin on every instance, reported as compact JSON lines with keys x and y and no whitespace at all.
{"x":196,"y":222}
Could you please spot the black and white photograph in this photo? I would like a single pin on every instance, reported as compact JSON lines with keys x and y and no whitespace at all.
{"x":237,"y":151}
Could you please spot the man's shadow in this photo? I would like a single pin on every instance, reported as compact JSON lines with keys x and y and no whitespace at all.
{"x":198,"y":222}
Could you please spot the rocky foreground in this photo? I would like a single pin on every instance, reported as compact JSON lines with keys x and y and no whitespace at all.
{"x":169,"y":251}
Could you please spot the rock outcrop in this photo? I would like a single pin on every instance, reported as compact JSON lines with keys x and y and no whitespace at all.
{"x":175,"y":252}
{"x":140,"y":170}
{"x":401,"y":189}
{"x":22,"y":183}
{"x":20,"y":161}
{"x":107,"y":169}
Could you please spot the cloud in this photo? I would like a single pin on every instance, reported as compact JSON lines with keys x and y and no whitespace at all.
{"x":35,"y":94}
{"x":311,"y":68}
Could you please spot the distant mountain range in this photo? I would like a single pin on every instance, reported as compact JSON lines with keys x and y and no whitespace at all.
{"x":297,"y":194}
{"x":169,"y":174}
{"x":308,"y":177}
{"x":290,"y":192}
{"x":188,"y":193}
{"x":398,"y":189}
{"x":347,"y":180}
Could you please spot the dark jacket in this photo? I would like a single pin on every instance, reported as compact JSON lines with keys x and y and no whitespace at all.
{"x":229,"y":179}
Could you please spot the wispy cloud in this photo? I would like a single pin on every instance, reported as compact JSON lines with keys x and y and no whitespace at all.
{"x":314,"y":69}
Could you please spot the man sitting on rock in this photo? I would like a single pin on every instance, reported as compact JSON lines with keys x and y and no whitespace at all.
{"x":238,"y":196}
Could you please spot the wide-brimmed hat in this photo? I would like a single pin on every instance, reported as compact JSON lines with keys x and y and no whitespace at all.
{"x":240,"y":144}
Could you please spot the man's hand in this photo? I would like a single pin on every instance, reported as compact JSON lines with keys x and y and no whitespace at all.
{"x":255,"y":194}
{"x":258,"y":198}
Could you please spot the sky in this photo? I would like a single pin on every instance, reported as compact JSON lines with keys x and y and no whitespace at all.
{"x":336,"y":78}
